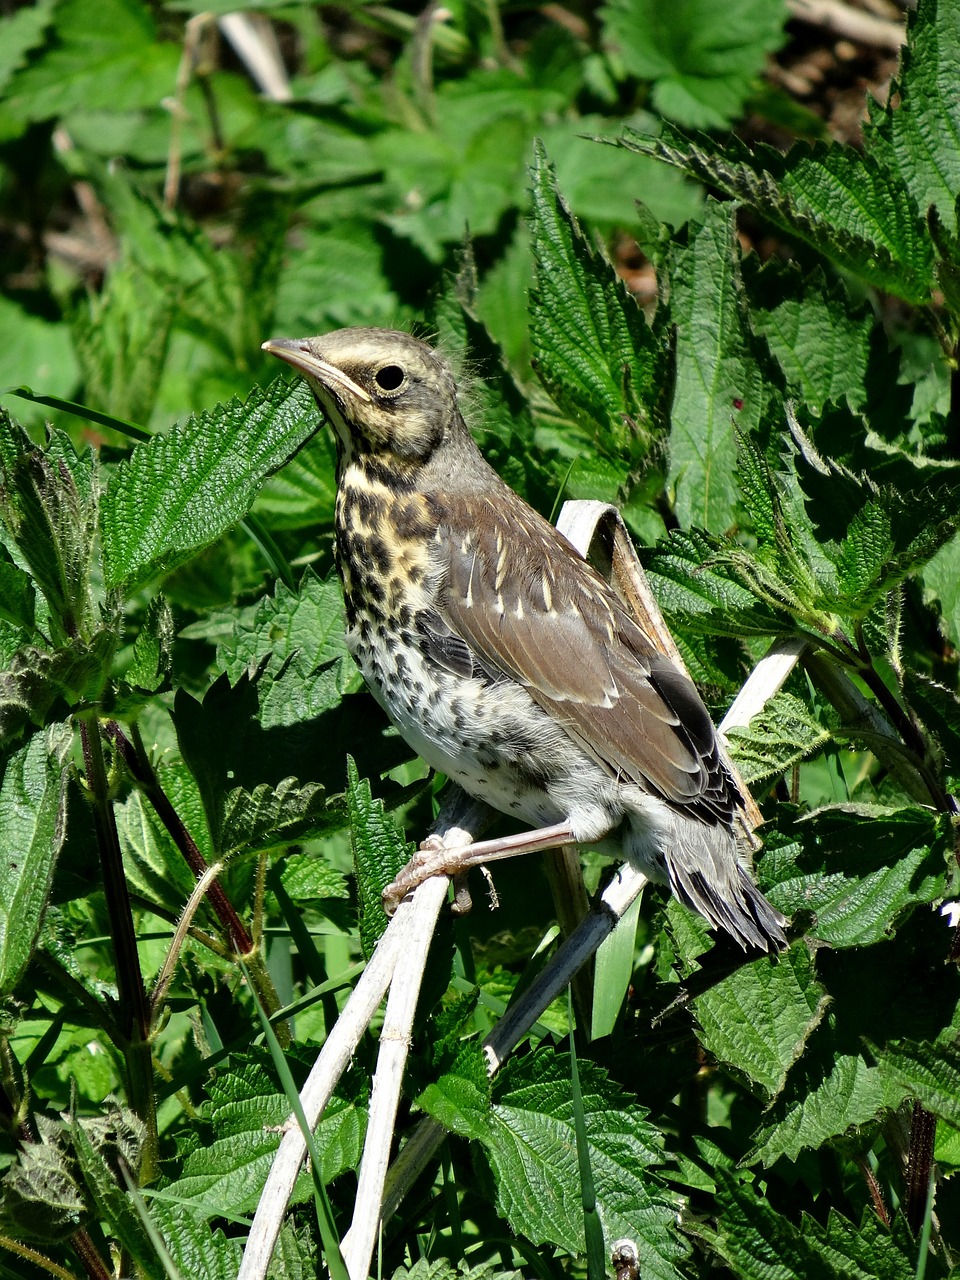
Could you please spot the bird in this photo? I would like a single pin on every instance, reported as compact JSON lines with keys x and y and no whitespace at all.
{"x":506,"y":661}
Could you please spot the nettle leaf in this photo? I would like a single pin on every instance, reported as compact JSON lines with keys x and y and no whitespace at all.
{"x":181,"y":491}
{"x":758,"y":1020}
{"x":939,"y":708}
{"x":247,"y":1115}
{"x":859,"y":869}
{"x":152,"y":649}
{"x":823,"y":1100}
{"x":777,"y":738}
{"x":153,"y":865}
{"x":17,"y":596}
{"x":271,"y":817}
{"x":48,"y":502}
{"x":38,"y":684}
{"x":307,"y":624}
{"x":113,"y":1203}
{"x":31,"y":834}
{"x":845,"y":204}
{"x":240,"y":769}
{"x":701,"y":58}
{"x":194,"y":1247}
{"x":380,"y":853}
{"x":695,"y":584}
{"x":818,"y":337}
{"x":528,"y":1137}
{"x":116,"y":63}
{"x":41,"y":1200}
{"x":758,"y":1242}
{"x":717,"y":383}
{"x":592,"y":348}
{"x":929,"y":1072}
{"x":920,"y":139}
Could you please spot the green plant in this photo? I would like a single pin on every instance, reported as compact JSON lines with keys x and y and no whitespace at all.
{"x":177,"y":706}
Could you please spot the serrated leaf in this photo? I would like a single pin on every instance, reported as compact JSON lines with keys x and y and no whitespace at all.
{"x":939,"y":708}
{"x":152,"y":648}
{"x":701,"y":58}
{"x":717,"y":381}
{"x":113,"y":1204}
{"x":48,"y":502}
{"x":154,"y":866}
{"x":694,"y":585}
{"x":759,"y":1018}
{"x":21,"y":31}
{"x":37,"y":683}
{"x":181,"y":491}
{"x":31,"y":834}
{"x":307,"y":623}
{"x":39,"y":1196}
{"x":824,"y":1104}
{"x":929,"y":1072}
{"x":114,"y":63}
{"x":248,"y":1115}
{"x":861,"y":871}
{"x":194,"y":1247}
{"x":593,"y":350}
{"x":920,"y":138}
{"x":844,"y":204}
{"x":380,"y":853}
{"x":17,"y":596}
{"x":820,"y":340}
{"x":528,"y":1136}
{"x":271,"y":817}
{"x":758,"y":1243}
{"x":777,"y":738}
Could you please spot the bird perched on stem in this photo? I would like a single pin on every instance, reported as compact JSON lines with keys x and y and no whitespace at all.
{"x":505,"y":660}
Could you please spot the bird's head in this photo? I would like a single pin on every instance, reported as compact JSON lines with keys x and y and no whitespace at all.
{"x":384,"y":392}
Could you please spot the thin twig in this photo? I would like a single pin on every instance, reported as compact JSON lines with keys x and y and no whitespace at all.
{"x":852,"y":24}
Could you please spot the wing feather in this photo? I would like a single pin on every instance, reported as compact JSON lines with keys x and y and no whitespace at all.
{"x":548,"y":620}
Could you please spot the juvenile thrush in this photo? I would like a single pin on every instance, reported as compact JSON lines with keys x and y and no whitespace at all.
{"x":503,"y":658}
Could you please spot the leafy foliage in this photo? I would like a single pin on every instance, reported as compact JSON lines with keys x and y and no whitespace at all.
{"x":177,"y":701}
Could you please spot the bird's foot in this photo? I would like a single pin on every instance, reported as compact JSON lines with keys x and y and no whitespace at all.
{"x":437,"y":858}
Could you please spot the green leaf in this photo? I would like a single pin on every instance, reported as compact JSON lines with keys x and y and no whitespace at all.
{"x":17,"y":596}
{"x":528,"y":1136}
{"x":226,"y":1175}
{"x":48,"y":502}
{"x":694,"y":584}
{"x":183,"y":490}
{"x":717,"y":381}
{"x":38,"y":684}
{"x":939,"y":708}
{"x":113,"y":1204}
{"x":920,"y":138}
{"x":759,"y":1018}
{"x":21,"y":31}
{"x":307,"y":623}
{"x":195,"y":1248}
{"x":593,"y":351}
{"x":701,"y":58}
{"x":40,"y":1198}
{"x":152,"y":649}
{"x":32,"y":834}
{"x":114,"y":63}
{"x":271,"y":817}
{"x":758,"y":1243}
{"x":818,"y":337}
{"x":845,"y":205}
{"x":941,"y":580}
{"x":844,"y":1093}
{"x":777,"y":738}
{"x":929,"y":1072}
{"x":380,"y":853}
{"x":860,"y":869}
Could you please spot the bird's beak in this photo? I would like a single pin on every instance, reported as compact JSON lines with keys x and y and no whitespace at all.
{"x":297,"y":352}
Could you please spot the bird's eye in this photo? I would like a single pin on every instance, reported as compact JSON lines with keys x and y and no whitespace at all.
{"x":389,"y":378}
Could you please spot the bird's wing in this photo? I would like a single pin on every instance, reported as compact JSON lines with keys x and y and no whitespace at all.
{"x":523,"y":602}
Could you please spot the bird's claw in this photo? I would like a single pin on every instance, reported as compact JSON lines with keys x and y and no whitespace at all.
{"x":433,"y":858}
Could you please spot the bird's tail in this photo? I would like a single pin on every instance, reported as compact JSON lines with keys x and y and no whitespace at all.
{"x":706,"y":874}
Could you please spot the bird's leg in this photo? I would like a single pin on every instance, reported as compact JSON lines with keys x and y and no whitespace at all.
{"x":451,"y":860}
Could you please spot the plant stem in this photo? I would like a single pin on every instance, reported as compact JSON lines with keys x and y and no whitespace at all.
{"x":133,"y":1013}
{"x":923,"y":1128}
{"x":137,"y":761}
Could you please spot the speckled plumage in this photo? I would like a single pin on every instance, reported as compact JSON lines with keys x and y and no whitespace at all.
{"x":505,"y":660}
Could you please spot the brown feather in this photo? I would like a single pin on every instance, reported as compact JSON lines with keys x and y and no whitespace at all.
{"x":555,"y":626}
